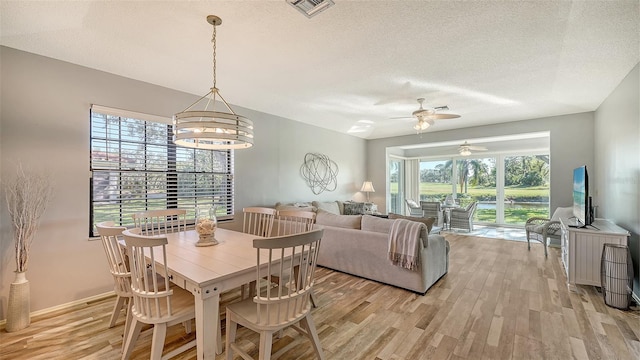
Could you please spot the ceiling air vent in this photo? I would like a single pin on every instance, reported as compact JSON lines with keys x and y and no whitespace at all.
{"x":311,"y":7}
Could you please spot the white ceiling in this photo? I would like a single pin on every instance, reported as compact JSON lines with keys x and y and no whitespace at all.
{"x":357,"y":64}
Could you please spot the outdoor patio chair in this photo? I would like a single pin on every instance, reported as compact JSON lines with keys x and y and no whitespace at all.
{"x":414,"y":208}
{"x":462,"y":218}
{"x":540,"y":229}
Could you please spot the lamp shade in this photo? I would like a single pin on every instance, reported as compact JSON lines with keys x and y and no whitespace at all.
{"x":367,"y":186}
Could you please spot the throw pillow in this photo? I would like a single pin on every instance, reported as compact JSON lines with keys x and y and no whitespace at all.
{"x":427,"y":221}
{"x":302,"y":206}
{"x":412,"y":203}
{"x":330,"y":206}
{"x":354,"y":208}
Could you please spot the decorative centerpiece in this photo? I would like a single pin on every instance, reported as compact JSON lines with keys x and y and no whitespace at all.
{"x":27,"y":195}
{"x":206,"y":224}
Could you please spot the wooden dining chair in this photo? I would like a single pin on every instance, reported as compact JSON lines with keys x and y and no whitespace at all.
{"x":290,"y":222}
{"x":158,"y":222}
{"x":294,"y":222}
{"x":155,"y":302}
{"x":258,"y":220}
{"x":278,"y":307}
{"x":110,"y":234}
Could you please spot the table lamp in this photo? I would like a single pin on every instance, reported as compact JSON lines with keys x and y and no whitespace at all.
{"x":367,"y":187}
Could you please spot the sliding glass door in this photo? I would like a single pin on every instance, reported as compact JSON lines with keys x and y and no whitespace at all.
{"x":435,"y":180}
{"x":396,"y":186}
{"x":476,"y":181}
{"x":509,"y":189}
{"x":526,"y":188}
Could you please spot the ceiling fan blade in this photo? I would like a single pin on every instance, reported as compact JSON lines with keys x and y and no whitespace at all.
{"x":444,"y":116}
{"x":478,"y":148}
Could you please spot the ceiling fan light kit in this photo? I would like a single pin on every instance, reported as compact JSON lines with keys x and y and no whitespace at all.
{"x":426,"y":117}
{"x":465,"y":149}
{"x":423,"y":124}
{"x":207,"y":128}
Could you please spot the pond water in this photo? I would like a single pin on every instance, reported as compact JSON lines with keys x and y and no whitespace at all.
{"x":513,"y":206}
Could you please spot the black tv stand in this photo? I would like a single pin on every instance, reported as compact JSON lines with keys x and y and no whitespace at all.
{"x":573,"y":222}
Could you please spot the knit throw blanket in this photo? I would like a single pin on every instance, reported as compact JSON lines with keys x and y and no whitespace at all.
{"x":404,"y":238}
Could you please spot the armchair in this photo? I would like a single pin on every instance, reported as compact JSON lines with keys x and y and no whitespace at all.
{"x":540,"y":229}
{"x":433,"y":209}
{"x":414,"y":208}
{"x":462,"y":218}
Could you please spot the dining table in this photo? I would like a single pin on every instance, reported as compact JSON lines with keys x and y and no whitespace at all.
{"x":208,"y":271}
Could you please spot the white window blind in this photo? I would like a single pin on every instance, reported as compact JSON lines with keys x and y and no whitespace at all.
{"x":136,"y":167}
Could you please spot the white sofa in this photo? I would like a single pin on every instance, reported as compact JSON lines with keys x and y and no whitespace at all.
{"x":359,"y":244}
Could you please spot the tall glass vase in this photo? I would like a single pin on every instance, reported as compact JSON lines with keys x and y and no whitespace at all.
{"x":206,"y":224}
{"x":19,"y":304}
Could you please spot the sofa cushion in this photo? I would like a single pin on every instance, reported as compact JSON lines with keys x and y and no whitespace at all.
{"x":342,"y":221}
{"x":330,"y":206}
{"x":376,"y":224}
{"x":427,"y":221}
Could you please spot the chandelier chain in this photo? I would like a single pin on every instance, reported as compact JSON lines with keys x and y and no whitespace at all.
{"x":213,"y":40}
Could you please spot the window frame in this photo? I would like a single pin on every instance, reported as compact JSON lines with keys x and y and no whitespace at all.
{"x":186,"y":185}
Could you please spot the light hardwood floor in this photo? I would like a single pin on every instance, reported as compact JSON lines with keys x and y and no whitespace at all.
{"x":498,"y":301}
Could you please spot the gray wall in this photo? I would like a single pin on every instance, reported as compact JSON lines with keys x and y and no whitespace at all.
{"x":617,"y":162}
{"x":571,"y":139}
{"x":44,"y":124}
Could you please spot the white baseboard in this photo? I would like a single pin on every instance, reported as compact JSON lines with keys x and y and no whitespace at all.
{"x":65,"y":306}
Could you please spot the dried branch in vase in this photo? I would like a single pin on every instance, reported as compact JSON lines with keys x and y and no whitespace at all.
{"x":27,"y":194}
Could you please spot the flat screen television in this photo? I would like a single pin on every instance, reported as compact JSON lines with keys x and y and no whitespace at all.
{"x":581,"y":206}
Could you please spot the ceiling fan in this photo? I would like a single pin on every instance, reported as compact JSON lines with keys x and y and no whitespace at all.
{"x":427,"y":116}
{"x":465,"y":149}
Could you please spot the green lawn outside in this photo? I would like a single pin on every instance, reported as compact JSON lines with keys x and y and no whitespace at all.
{"x":516,"y":193}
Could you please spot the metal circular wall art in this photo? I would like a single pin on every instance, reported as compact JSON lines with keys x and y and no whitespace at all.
{"x":319,"y":172}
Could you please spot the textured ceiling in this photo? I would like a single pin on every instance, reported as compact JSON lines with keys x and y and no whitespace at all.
{"x":356,"y":65}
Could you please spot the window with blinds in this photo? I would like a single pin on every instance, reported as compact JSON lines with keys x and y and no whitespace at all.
{"x":136,"y":167}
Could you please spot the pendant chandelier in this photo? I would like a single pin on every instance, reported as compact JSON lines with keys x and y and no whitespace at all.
{"x":207,"y":128}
